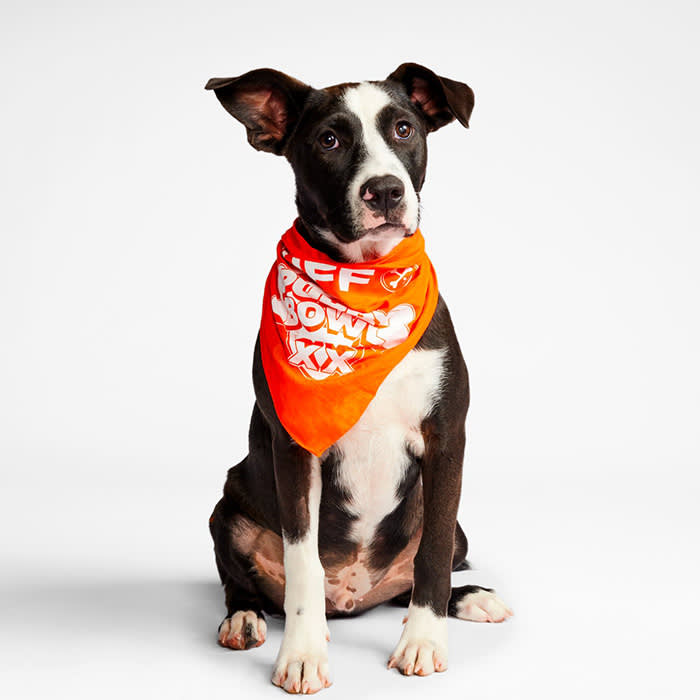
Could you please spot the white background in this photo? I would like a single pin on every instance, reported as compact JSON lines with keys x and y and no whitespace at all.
{"x":136,"y":230}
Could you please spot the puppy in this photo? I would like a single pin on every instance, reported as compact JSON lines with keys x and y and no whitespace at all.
{"x":348,"y":497}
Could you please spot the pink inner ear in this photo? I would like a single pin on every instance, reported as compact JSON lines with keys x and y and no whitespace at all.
{"x":270,"y":111}
{"x":420,"y":95}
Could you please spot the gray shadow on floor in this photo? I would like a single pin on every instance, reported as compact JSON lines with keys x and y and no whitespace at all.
{"x":190,"y":610}
{"x":93,"y":616}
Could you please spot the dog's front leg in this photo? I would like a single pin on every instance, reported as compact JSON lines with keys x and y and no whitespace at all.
{"x":302,"y":662}
{"x":422,"y":648}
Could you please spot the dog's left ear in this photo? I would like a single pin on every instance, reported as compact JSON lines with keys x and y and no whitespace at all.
{"x":268,"y":103}
{"x":440,"y":99}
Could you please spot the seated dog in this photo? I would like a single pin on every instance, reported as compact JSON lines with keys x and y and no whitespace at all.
{"x":348,"y":496}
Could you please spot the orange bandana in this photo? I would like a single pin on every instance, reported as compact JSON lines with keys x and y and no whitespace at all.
{"x":331,"y":332}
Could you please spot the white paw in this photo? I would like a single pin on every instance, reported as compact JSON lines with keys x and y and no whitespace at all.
{"x":483,"y":606}
{"x":243,"y":630}
{"x":302,"y":662}
{"x":422,"y":648}
{"x":301,"y":672}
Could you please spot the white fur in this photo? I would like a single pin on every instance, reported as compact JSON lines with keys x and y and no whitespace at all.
{"x":232,"y":629}
{"x":483,"y":606}
{"x":370,"y":247}
{"x":302,"y":661}
{"x":422,"y":648}
{"x":366,"y":101}
{"x":373,"y":451}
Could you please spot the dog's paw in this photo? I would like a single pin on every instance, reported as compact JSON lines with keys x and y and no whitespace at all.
{"x":245,"y":629}
{"x":422,"y":648}
{"x":301,"y":672}
{"x":482,"y":605}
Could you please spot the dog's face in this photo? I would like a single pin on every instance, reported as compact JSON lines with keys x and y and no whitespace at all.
{"x":358,"y":150}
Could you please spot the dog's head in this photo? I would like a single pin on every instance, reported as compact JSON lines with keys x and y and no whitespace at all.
{"x":358,"y":150}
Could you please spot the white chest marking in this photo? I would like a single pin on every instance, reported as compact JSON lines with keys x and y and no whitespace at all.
{"x":374,"y":452}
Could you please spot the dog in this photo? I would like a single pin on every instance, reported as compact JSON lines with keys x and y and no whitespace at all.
{"x":371,"y":516}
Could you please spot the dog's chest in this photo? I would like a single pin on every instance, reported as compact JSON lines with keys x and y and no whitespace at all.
{"x":375,"y":452}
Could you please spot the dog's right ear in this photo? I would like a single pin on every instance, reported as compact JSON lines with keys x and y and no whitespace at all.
{"x":268,"y":103}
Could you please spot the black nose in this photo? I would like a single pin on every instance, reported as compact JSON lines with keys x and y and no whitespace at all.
{"x":382,"y":193}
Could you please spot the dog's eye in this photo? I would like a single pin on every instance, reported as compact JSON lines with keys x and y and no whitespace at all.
{"x":328,"y":141}
{"x":403,"y":130}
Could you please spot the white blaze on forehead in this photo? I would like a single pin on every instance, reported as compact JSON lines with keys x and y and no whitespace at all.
{"x":366,"y":101}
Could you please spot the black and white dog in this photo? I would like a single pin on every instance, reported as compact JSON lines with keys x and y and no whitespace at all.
{"x":374,"y":519}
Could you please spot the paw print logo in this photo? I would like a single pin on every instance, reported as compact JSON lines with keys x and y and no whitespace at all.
{"x":397,"y":278}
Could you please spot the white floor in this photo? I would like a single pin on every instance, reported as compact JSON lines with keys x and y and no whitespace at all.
{"x":603,"y":578}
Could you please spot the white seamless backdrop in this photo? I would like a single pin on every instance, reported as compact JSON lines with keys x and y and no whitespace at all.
{"x":136,"y":230}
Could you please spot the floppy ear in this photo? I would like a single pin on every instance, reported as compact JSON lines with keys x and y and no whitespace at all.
{"x":268,"y":103}
{"x":440,"y":99}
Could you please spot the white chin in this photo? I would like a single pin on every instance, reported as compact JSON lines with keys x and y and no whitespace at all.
{"x":374,"y":243}
{"x":386,"y":231}
{"x":377,"y":243}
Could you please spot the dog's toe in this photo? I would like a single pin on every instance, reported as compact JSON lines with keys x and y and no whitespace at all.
{"x":245,"y":629}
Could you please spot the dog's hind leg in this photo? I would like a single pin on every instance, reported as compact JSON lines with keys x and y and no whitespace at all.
{"x":244,"y":626}
{"x":477,"y":604}
{"x":459,"y":557}
{"x":468,"y":603}
{"x":473,"y":602}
